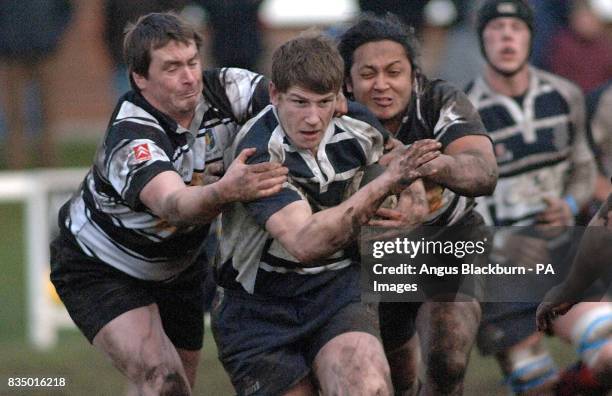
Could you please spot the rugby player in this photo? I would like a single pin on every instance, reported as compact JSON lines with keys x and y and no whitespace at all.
{"x":546,"y":172}
{"x":382,"y":72}
{"x":287,"y":317}
{"x":123,"y":263}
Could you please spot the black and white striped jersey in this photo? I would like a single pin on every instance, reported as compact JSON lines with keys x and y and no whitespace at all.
{"x":540,"y":146}
{"x":248,"y":256}
{"x":106,"y":217}
{"x":438,"y":110}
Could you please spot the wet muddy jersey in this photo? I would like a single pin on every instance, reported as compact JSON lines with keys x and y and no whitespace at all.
{"x":540,"y":145}
{"x":106,"y":218}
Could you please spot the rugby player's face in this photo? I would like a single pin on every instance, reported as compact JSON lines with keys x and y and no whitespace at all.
{"x":304,"y":115}
{"x":506,"y":44}
{"x":381,"y":79}
{"x":174,"y":83}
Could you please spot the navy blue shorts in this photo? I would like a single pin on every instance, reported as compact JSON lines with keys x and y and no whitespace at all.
{"x":267,"y":344}
{"x":398,"y":319}
{"x":95,"y":293}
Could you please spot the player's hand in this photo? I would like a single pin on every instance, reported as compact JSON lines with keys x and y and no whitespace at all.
{"x":413,"y":162}
{"x":410,"y":211}
{"x":525,"y":251}
{"x":556,"y":214}
{"x":245,"y":183}
{"x":393,"y":148}
{"x":551,"y":307}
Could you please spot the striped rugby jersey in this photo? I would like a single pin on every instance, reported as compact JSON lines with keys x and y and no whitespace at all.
{"x":540,"y":147}
{"x":248,"y":256}
{"x":438,"y":110}
{"x":106,"y":217}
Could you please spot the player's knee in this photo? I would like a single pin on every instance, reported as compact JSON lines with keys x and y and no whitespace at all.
{"x":162,"y":378}
{"x":363,"y":375}
{"x":446,"y":369}
{"x":375,"y":386}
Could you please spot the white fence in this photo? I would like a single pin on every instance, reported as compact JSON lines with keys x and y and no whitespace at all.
{"x":42,"y":192}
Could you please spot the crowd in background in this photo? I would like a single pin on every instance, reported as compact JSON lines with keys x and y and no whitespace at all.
{"x":568,"y":33}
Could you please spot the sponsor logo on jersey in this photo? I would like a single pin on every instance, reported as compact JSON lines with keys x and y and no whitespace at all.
{"x":142,"y":152}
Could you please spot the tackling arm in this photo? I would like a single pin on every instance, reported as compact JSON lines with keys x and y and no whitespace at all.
{"x":309,"y":236}
{"x":467,"y":166}
{"x":168,"y":198}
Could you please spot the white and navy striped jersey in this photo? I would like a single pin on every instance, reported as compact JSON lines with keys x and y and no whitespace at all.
{"x":438,"y":110}
{"x":248,"y":257}
{"x":106,"y":218}
{"x":540,"y":146}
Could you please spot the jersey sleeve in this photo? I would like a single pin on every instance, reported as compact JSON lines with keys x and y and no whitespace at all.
{"x":239,"y":92}
{"x":258,"y":136}
{"x":131,"y":164}
{"x":358,"y":111}
{"x":451,"y":113}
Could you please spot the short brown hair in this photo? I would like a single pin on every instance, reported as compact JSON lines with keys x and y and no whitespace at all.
{"x":310,"y":61}
{"x":150,"y":32}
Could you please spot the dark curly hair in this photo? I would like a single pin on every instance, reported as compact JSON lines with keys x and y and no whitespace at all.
{"x":371,"y":28}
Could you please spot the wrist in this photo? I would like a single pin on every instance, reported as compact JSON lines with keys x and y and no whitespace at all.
{"x":388,"y":182}
{"x":221,"y":192}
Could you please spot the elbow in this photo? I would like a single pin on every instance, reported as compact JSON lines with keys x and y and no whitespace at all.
{"x":485,"y":185}
{"x":305,"y":256}
{"x":489,"y":187}
{"x":489,"y":181}
{"x":310,"y":255}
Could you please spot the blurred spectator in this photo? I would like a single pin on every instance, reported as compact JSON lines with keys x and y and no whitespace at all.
{"x":30,"y":32}
{"x":236,"y":33}
{"x":550,"y":16}
{"x":582,"y":52}
{"x":460,"y":61}
{"x":118,"y":13}
{"x":411,"y":12}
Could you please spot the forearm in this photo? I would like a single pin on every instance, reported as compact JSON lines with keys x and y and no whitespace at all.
{"x":330,"y":230}
{"x":470,"y":173}
{"x":194,"y":205}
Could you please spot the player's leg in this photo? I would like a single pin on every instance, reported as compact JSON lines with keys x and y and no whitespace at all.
{"x":14,"y":77}
{"x":588,"y":326}
{"x":528,"y":367}
{"x":447,"y":331}
{"x":405,"y":362}
{"x":401,"y":344}
{"x":190,"y":361}
{"x":117,"y":313}
{"x":353,"y":363}
{"x":137,"y":346}
{"x":181,"y":307}
{"x":345,"y":351}
{"x":260,"y":342}
{"x":303,"y":388}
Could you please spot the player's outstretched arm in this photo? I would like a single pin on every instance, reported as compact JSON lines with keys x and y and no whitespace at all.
{"x":168,"y":198}
{"x":309,"y":236}
{"x":467,"y":166}
{"x":591,"y":263}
